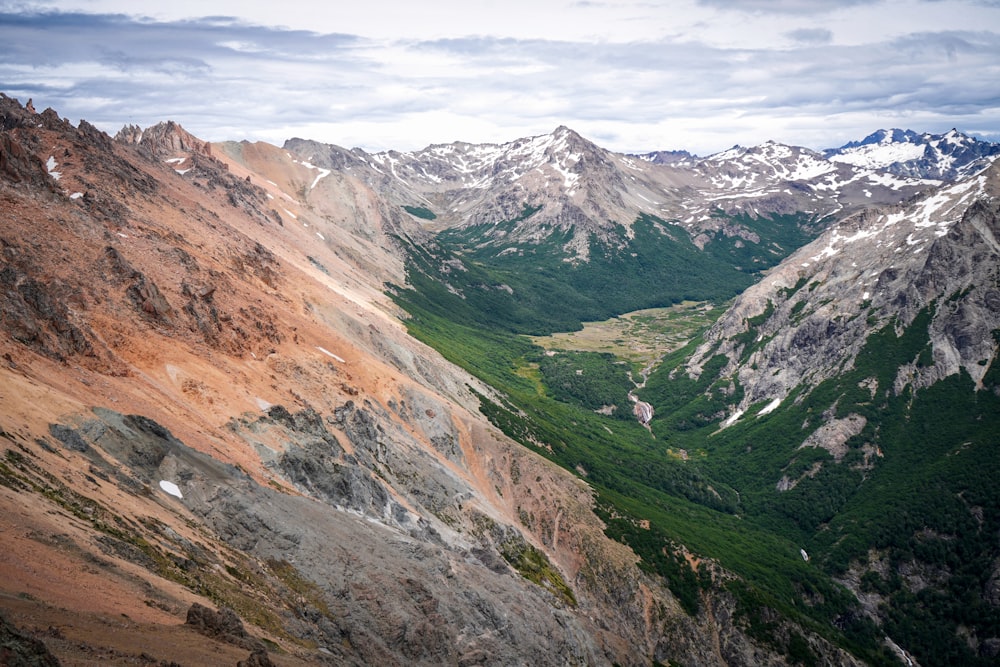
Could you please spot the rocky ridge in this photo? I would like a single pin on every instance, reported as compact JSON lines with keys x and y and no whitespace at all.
{"x":878,"y":268}
{"x":949,"y":156}
{"x":563,"y":182}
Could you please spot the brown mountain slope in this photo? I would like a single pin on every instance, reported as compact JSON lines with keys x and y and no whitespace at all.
{"x":207,"y":398}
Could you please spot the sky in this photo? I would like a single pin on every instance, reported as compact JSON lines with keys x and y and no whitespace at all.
{"x":630,"y":75}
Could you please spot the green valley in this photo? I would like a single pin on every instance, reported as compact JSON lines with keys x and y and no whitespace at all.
{"x":793,"y":523}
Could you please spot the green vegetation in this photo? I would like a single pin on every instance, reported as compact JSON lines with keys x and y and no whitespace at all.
{"x":534,"y":566}
{"x":473,"y":277}
{"x":592,"y":380}
{"x":913,"y":488}
{"x":421,"y":212}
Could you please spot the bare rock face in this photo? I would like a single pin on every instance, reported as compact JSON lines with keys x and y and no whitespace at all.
{"x":19,"y":166}
{"x":223,"y":625}
{"x":833,"y":435}
{"x":18,"y":649}
{"x":164,"y":139}
{"x":643,"y":412}
{"x":963,"y":263}
{"x":142,"y":292}
{"x":19,"y":163}
{"x":36,"y":314}
{"x":258,"y":658}
{"x":129,"y":134}
{"x":991,"y":590}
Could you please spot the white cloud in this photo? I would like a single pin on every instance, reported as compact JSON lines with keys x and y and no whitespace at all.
{"x":811,"y":35}
{"x":630,"y":75}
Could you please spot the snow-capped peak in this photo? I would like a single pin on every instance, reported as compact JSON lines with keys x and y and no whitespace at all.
{"x":929,"y":156}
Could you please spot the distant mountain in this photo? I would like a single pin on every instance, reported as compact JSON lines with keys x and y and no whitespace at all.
{"x":616,"y":232}
{"x":568,"y":183}
{"x":944,"y":157}
{"x":667,"y":157}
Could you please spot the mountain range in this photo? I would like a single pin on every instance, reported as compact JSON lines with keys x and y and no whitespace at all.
{"x":948,"y":156}
{"x":314,"y":389}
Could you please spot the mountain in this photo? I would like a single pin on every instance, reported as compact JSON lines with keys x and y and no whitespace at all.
{"x":292,"y":384}
{"x":851,"y":399}
{"x":609,"y":229}
{"x":945,"y":157}
{"x":209,"y":401}
{"x":886,"y":266}
{"x":561,"y":181}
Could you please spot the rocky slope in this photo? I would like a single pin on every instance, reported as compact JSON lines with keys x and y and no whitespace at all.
{"x":851,"y":399}
{"x":881,"y":267}
{"x":207,"y":398}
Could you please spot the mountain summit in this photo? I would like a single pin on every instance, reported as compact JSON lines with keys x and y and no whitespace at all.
{"x":944,"y":157}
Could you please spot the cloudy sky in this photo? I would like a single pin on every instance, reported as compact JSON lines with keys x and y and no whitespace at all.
{"x":631,"y":75}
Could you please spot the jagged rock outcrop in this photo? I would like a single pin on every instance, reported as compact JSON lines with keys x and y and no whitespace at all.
{"x":37,"y":314}
{"x":164,"y":140}
{"x":223,"y":625}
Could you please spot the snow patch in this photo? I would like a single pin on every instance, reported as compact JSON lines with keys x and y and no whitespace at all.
{"x":330,"y":354}
{"x":50,"y":166}
{"x":880,"y":155}
{"x":171,"y":488}
{"x":322,"y":172}
{"x":770,"y":407}
{"x":731,"y":419}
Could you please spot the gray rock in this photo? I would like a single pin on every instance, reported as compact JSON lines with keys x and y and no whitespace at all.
{"x":19,"y":649}
{"x":223,"y":625}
